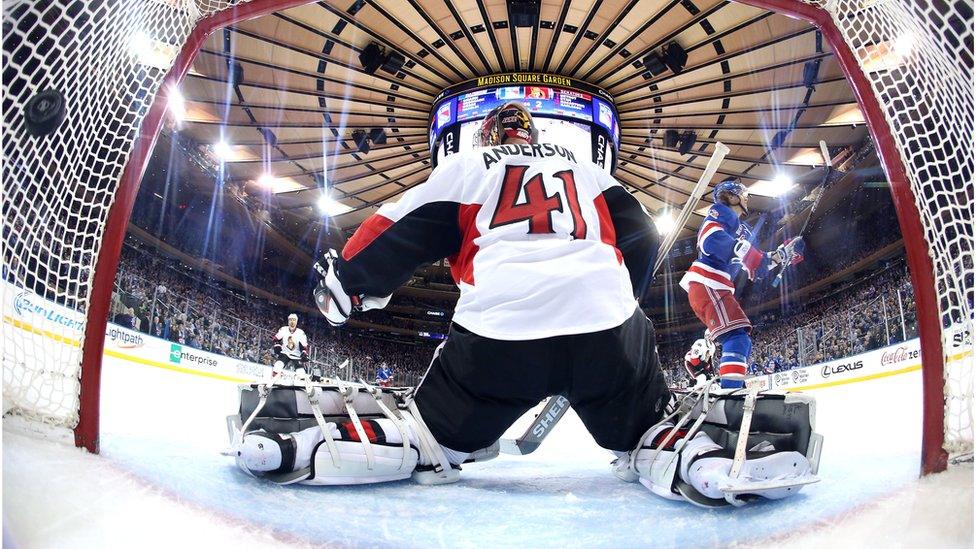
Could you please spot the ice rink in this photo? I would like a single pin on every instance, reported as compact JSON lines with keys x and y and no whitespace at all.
{"x":162,"y":482}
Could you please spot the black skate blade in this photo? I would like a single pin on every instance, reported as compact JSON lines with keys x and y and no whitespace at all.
{"x":697,"y":498}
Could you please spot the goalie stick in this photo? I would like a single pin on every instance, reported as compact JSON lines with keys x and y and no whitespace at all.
{"x":556,"y":407}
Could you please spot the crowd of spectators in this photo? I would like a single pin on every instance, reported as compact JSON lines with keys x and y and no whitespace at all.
{"x":159,"y":296}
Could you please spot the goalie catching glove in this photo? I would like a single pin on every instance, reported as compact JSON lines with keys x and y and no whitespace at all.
{"x":332,"y":300}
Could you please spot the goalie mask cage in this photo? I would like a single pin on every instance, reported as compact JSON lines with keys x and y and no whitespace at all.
{"x":67,"y":196}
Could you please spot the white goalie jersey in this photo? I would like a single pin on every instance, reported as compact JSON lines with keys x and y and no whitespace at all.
{"x":540,"y":245}
{"x":292,"y":341}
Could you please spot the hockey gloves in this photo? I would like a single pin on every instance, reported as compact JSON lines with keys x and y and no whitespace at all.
{"x":333,"y":301}
{"x":751,"y":258}
{"x":756,"y":263}
{"x":788,"y":253}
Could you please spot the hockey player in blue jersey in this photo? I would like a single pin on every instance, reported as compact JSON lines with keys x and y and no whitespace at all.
{"x":384,"y":375}
{"x":724,"y":247}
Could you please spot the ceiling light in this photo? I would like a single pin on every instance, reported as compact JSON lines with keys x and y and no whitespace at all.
{"x":223,"y":150}
{"x":279,"y":184}
{"x":904,"y":44}
{"x":664,"y":222}
{"x":328,"y":206}
{"x":778,"y":186}
{"x":176,"y":104}
{"x":151,"y":52}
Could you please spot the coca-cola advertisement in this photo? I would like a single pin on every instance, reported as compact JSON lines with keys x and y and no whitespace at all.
{"x":900,"y":355}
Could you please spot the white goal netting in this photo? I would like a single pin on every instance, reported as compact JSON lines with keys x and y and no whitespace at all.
{"x":109,"y":58}
{"x":918,"y":56}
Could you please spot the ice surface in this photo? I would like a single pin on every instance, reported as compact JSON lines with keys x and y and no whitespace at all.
{"x":162,"y":481}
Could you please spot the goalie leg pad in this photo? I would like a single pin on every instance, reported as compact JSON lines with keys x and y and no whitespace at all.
{"x":707,"y":468}
{"x":357,"y":434}
{"x":274,"y":455}
{"x":695,"y":460}
{"x":389,"y":460}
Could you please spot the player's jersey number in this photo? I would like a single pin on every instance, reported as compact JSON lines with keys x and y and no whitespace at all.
{"x":538,"y":207}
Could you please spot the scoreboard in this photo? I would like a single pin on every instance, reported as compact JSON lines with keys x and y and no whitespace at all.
{"x":573,"y":114}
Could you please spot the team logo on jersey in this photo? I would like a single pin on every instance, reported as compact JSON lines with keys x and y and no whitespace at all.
{"x":712,"y":212}
{"x":291,"y":342}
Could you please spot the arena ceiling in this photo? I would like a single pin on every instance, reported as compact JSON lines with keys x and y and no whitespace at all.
{"x":764,"y":84}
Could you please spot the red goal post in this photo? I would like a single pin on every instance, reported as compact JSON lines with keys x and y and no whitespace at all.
{"x":111,"y":173}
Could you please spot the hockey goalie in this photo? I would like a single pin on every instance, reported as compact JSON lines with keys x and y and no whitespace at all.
{"x":547,"y":252}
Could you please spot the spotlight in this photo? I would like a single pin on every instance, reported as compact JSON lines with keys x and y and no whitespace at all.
{"x":671,"y":138}
{"x":362,"y":141}
{"x":664,"y":222}
{"x":222,"y":150}
{"x":377,"y":136}
{"x":523,"y":13}
{"x":675,"y":57}
{"x":687,"y":141}
{"x":393,"y":62}
{"x":371,"y":58}
{"x":654,"y":64}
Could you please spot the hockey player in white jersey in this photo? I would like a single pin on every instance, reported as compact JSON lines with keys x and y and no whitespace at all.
{"x":290,"y":347}
{"x":547,"y":251}
{"x":698,"y":361}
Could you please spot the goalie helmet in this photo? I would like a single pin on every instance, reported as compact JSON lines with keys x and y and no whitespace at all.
{"x":732,"y":187}
{"x":511,"y":120}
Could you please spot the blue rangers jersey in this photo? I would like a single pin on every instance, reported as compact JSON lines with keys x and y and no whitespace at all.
{"x":384,"y":376}
{"x":717,"y":261}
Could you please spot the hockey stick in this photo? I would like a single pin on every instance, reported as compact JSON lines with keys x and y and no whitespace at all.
{"x":544,"y":421}
{"x":556,"y":407}
{"x":828,"y":169}
{"x":713,"y":163}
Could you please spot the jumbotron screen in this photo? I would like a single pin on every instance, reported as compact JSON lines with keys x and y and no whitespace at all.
{"x":572,"y":114}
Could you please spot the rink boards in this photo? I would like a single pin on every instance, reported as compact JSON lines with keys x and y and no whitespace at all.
{"x":162,"y":430}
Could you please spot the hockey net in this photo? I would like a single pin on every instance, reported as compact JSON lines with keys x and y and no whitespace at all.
{"x":109,"y":59}
{"x":114,"y":59}
{"x":918,"y":58}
